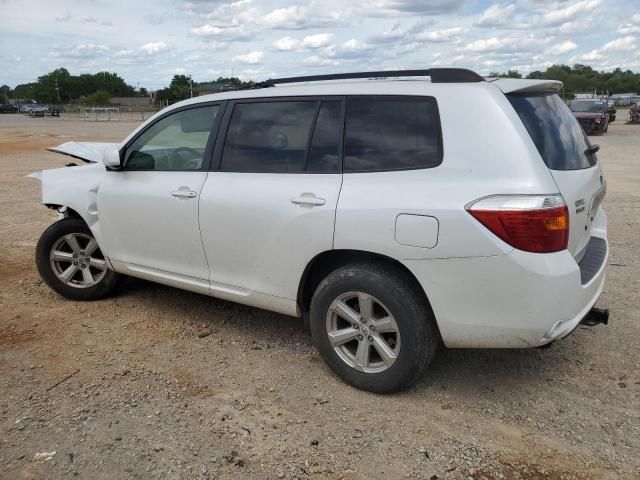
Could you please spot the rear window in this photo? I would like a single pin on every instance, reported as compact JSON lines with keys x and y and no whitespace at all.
{"x":269,"y":137}
{"x":556,"y":133}
{"x":391,"y":133}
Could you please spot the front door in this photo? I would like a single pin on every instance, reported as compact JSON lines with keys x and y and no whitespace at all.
{"x":148,"y":210}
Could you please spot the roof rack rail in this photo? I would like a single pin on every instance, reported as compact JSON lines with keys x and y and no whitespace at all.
{"x":438,"y":75}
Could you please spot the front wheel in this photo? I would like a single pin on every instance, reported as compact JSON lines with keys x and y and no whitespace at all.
{"x":69,"y":260}
{"x":373,"y":327}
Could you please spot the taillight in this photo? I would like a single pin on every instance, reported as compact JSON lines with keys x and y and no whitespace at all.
{"x":533,"y":223}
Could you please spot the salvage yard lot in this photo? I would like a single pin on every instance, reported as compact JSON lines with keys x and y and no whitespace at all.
{"x":170,"y":384}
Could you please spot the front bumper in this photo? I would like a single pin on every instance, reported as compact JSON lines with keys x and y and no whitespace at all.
{"x":591,"y":126}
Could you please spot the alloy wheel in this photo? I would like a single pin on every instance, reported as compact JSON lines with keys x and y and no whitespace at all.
{"x":363,"y":332}
{"x":77,"y":261}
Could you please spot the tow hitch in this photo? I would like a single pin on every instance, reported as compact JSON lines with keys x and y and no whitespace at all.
{"x":596,"y":316}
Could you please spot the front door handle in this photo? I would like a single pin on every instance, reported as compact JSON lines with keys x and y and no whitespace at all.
{"x":308,"y":199}
{"x":184,"y":194}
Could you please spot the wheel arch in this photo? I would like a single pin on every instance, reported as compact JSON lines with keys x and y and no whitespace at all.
{"x":326,"y":262}
{"x":64,"y":210}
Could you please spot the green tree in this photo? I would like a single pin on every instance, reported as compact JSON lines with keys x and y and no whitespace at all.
{"x":5,"y":93}
{"x":509,"y":74}
{"x":99,"y":98}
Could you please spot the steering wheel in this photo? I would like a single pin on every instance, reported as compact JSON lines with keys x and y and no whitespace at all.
{"x":191,"y":163}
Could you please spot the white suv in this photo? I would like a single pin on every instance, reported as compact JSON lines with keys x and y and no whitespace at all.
{"x":394,"y":210}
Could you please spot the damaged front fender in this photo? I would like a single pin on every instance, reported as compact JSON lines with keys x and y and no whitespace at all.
{"x":75,"y":188}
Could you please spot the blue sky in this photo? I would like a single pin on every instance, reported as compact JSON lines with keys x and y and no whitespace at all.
{"x":148,"y":42}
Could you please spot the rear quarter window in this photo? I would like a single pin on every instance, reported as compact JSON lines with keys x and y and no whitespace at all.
{"x":392,"y":133}
{"x":555,"y":131}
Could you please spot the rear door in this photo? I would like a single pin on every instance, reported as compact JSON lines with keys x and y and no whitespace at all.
{"x":570,"y":157}
{"x":269,"y":206}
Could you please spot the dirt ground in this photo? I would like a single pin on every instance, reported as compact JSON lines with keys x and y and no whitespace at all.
{"x":168,"y":384}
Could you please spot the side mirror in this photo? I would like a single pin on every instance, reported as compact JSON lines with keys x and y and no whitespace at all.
{"x":111,"y":157}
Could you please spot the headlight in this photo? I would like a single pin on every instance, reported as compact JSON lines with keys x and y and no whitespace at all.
{"x":597,"y":120}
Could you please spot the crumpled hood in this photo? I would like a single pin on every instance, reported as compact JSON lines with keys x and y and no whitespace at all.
{"x":90,"y":152}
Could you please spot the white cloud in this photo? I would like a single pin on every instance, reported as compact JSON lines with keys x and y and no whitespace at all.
{"x":310,"y":42}
{"x":447,"y":35}
{"x":496,"y":15}
{"x":251,"y":58}
{"x":201,"y":36}
{"x":286,"y":44}
{"x":561,"y":48}
{"x":153,"y":48}
{"x":489,"y":44}
{"x":625,"y":44}
{"x":632,"y":27}
{"x":84,"y":51}
{"x":301,"y":17}
{"x":609,"y":50}
{"x":317,"y":61}
{"x":589,"y":57}
{"x":355,"y":45}
{"x":562,"y":15}
{"x":227,"y":33}
{"x":318,"y":40}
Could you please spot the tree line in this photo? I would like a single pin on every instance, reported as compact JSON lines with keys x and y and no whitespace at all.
{"x":60,"y":86}
{"x":583,"y":78}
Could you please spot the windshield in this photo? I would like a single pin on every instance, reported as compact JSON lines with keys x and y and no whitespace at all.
{"x":588,"y":107}
{"x":554,"y":130}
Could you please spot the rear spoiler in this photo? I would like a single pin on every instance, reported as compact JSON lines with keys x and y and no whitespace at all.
{"x":513,"y":85}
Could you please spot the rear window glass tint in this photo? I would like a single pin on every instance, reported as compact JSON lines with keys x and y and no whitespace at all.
{"x":555,"y":131}
{"x":269,"y":137}
{"x":385,"y":133}
{"x":324,"y":152}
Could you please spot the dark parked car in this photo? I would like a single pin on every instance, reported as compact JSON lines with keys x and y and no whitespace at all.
{"x":8,"y":108}
{"x":593,"y":115}
{"x":612,"y":110}
{"x":56,"y":110}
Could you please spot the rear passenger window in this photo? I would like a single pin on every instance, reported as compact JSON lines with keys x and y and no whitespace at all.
{"x":391,"y":133}
{"x":269,"y":137}
{"x":324,"y":152}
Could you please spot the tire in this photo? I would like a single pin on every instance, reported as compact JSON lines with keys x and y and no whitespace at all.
{"x":394,"y":297}
{"x":68,"y":237}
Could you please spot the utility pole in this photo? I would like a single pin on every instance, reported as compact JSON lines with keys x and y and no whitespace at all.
{"x":190,"y":87}
{"x":58,"y":92}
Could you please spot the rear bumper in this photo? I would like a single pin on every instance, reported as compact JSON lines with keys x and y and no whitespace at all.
{"x":516,"y":300}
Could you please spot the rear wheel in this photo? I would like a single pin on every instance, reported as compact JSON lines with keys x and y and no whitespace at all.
{"x":69,"y":260}
{"x":373,"y":327}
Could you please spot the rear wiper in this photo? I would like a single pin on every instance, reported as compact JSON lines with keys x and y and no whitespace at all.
{"x":592,"y":149}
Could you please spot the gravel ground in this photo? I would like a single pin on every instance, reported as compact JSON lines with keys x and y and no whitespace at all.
{"x":168,"y":384}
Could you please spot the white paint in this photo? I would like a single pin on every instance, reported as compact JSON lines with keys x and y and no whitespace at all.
{"x":240,"y":237}
{"x":417,"y":230}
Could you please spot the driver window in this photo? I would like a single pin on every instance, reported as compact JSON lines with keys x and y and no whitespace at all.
{"x":177,"y":142}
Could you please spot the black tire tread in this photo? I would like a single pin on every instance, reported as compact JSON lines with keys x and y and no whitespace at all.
{"x":52,"y":234}
{"x":415,"y":307}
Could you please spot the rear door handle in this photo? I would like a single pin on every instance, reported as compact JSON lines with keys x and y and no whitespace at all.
{"x":308,"y":199}
{"x":184,"y":194}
